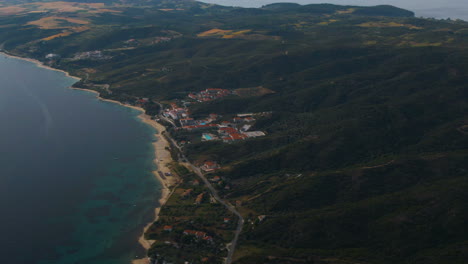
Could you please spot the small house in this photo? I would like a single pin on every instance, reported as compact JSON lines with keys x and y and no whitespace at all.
{"x":209,"y":166}
{"x":216,"y":179}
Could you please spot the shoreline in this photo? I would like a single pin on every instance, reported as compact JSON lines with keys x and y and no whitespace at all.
{"x":40,"y":64}
{"x":162,"y":157}
{"x":161,"y":154}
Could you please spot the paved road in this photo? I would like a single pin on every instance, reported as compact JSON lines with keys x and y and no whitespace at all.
{"x":229,"y":206}
{"x":214,"y":192}
{"x":160,"y":115}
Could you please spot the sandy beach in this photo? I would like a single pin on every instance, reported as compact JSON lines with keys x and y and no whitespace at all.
{"x":162,"y":159}
{"x":162,"y":154}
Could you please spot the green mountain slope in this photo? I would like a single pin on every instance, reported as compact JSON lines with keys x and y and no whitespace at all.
{"x":366,"y":149}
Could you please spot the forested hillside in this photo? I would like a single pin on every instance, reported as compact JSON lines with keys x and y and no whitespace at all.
{"x":365,"y":158}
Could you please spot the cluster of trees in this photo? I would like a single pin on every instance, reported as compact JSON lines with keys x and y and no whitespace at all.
{"x":364,"y":158}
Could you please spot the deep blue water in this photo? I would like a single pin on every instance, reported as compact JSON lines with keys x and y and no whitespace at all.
{"x":75,"y":172}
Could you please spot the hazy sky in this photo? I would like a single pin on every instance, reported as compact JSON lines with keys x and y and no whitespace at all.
{"x":427,"y":8}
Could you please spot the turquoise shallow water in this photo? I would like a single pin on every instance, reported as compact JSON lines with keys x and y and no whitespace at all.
{"x":75,"y":173}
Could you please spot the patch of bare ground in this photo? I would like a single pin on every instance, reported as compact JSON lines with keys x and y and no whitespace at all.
{"x":55,"y":22}
{"x":12,"y":10}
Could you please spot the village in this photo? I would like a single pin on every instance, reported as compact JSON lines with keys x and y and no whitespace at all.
{"x":213,"y":127}
{"x":193,"y":220}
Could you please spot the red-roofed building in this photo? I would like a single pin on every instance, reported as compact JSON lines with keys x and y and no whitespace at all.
{"x":198,"y":234}
{"x":237,"y":136}
{"x":227,"y":130}
{"x":237,"y":119}
{"x":216,"y":179}
{"x":199,"y":127}
{"x":208,"y":238}
{"x":227,"y":139}
{"x":209,"y":166}
{"x":189,"y":232}
{"x":199,"y":198}
{"x":167,"y":228}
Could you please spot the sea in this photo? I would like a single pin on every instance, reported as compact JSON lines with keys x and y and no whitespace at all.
{"x":75,"y":172}
{"x":439,"y":9}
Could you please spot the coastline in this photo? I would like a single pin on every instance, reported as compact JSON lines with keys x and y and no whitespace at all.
{"x":162,"y":159}
{"x":40,"y":64}
{"x":161,"y":153}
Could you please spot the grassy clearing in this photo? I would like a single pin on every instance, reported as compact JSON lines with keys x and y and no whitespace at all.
{"x":347,"y":11}
{"x":236,"y":34}
{"x":226,"y":34}
{"x":54,"y":22}
{"x":214,"y":32}
{"x":56,"y":7}
{"x":370,"y":42}
{"x":67,"y":7}
{"x":180,"y":170}
{"x":12,"y":10}
{"x":325,"y":23}
{"x":387,"y":25}
{"x":67,"y":33}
